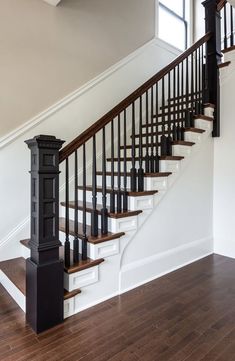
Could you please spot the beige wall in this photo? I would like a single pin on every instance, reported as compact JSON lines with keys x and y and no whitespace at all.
{"x":47,"y":52}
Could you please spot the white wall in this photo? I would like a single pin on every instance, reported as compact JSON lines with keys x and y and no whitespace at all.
{"x":224,"y":167}
{"x":180,"y":229}
{"x":66,"y":120}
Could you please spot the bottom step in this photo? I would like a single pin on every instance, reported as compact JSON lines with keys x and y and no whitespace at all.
{"x":13,"y":279}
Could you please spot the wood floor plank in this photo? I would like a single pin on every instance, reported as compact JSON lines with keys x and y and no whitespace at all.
{"x":188,"y":315}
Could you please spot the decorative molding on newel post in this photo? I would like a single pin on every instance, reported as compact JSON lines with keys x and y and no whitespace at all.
{"x":44,"y":269}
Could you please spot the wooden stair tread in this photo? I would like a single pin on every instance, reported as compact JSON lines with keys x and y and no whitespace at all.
{"x":180,"y":103}
{"x":208,"y":105}
{"x":194,"y":130}
{"x":81,"y":264}
{"x":184,"y":96}
{"x":172,"y":112}
{"x":223,"y":65}
{"x":71,"y":294}
{"x":89,"y":209}
{"x":176,"y":142}
{"x":199,"y":116}
{"x":94,"y":240}
{"x":227,"y":50}
{"x":129,"y":192}
{"x":129,"y":159}
{"x":15,"y":270}
{"x":205,"y":117}
{"x":159,"y":174}
{"x":74,"y":267}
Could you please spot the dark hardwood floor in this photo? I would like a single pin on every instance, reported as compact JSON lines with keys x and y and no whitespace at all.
{"x":186,"y":315}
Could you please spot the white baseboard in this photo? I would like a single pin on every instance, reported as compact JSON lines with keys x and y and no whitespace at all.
{"x":225,"y":247}
{"x":142,"y":271}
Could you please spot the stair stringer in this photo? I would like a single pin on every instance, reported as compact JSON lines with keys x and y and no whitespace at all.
{"x":124,"y":268}
{"x":110,"y":280}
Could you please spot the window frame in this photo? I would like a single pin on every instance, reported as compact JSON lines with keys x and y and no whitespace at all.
{"x":181,"y":18}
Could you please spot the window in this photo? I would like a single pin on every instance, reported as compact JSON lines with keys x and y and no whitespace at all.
{"x":173,"y":22}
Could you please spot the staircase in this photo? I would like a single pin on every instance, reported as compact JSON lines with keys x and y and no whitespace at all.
{"x":113,"y":175}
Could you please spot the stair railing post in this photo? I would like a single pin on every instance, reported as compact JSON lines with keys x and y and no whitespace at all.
{"x":213,"y":59}
{"x":44,"y":269}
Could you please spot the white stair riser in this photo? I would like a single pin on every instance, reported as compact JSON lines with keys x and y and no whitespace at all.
{"x":134,"y":203}
{"x":150,"y":183}
{"x":181,"y":150}
{"x":129,"y":165}
{"x":94,"y":251}
{"x":81,"y":279}
{"x":193,"y":137}
{"x":203,"y":124}
{"x":176,"y":149}
{"x":172,"y":166}
{"x":209,"y":112}
{"x":115,"y":225}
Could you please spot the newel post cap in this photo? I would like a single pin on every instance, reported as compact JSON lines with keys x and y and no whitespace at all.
{"x":45,"y":141}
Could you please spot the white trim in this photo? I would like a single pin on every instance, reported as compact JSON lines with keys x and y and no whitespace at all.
{"x":15,"y":293}
{"x":91,"y":304}
{"x":15,"y":231}
{"x":33,"y":122}
{"x":168,"y":257}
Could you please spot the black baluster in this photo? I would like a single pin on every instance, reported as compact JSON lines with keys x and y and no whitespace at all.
{"x":231,"y":23}
{"x":183,"y":100}
{"x":197,"y":109}
{"x":152,"y":135}
{"x":84,"y":237}
{"x":199,"y":80}
{"x":76,"y":240}
{"x":94,"y":213}
{"x":178,"y":107}
{"x":157,"y":163}
{"x":187,"y":112}
{"x":163,"y":137}
{"x":133,"y":169}
{"x":225,"y":27}
{"x":125,"y":195}
{"x":169,"y":139}
{"x":119,"y":192}
{"x":140,"y":170}
{"x":147,"y":156}
{"x":112,"y":194}
{"x":174,"y":130}
{"x":192,"y":90}
{"x":104,"y":211}
{"x":67,"y":242}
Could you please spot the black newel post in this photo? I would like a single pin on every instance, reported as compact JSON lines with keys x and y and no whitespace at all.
{"x":44,"y":269}
{"x":213,"y":58}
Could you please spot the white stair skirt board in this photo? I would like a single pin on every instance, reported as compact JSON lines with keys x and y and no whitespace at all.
{"x":15,"y":293}
{"x":146,"y":270}
{"x":102,"y":282}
